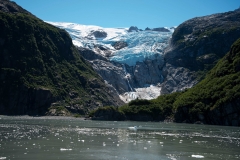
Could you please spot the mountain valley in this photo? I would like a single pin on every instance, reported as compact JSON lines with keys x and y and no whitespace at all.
{"x":186,"y":73}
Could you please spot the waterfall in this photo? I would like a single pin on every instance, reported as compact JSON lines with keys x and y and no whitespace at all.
{"x":127,"y":75}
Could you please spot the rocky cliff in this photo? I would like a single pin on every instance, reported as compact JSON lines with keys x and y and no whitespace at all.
{"x":216,"y":99}
{"x":196,"y":46}
{"x":41,"y":70}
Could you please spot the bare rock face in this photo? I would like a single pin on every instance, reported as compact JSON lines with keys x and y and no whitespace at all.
{"x":196,"y":46}
{"x":160,"y":29}
{"x":176,"y":79}
{"x":119,"y":45}
{"x":97,"y":34}
{"x":114,"y":74}
{"x":133,"y":29}
{"x":148,"y":72}
{"x":124,"y":78}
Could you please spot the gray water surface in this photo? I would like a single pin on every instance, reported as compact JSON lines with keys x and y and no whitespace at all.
{"x":43,"y":138}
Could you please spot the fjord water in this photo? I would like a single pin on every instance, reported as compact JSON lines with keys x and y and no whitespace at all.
{"x":43,"y":138}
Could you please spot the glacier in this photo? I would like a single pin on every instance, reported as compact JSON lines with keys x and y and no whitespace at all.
{"x":142,"y":45}
{"x":134,"y":70}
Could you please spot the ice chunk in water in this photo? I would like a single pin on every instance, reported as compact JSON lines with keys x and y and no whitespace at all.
{"x":65,"y":149}
{"x":104,"y":144}
{"x":197,"y":156}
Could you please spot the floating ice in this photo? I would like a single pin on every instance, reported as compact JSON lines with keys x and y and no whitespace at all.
{"x":197,"y":156}
{"x":132,"y":128}
{"x":65,"y":149}
{"x":3,"y":157}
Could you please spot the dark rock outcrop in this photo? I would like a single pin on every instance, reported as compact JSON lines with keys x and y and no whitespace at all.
{"x":133,"y":29}
{"x":98,"y":34}
{"x":147,"y":29}
{"x":90,"y":55}
{"x":119,"y":45}
{"x":160,"y":29}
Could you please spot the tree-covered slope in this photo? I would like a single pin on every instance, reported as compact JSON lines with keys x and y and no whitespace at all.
{"x":41,"y":68}
{"x":216,"y":99}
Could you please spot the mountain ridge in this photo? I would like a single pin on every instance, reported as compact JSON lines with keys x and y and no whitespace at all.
{"x":42,"y":71}
{"x":196,"y":46}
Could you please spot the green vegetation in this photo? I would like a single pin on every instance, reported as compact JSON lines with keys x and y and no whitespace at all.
{"x":35,"y":55}
{"x":158,"y":109}
{"x":59,"y":110}
{"x":107,"y":113}
{"x":220,"y":87}
{"x":104,"y":109}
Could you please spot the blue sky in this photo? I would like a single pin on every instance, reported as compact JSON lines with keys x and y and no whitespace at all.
{"x":126,"y":13}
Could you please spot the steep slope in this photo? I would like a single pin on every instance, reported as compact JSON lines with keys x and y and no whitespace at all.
{"x":41,"y":68}
{"x":196,"y":46}
{"x":216,"y":99}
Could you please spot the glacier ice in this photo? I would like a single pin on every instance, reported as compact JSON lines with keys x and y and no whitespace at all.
{"x":141,"y":45}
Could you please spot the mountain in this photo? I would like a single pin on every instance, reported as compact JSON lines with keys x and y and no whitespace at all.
{"x":130,"y":60}
{"x":215,"y":100}
{"x":196,"y":46}
{"x":41,"y":71}
{"x":145,"y":64}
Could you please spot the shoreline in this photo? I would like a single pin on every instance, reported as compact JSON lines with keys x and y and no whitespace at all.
{"x":42,"y":117}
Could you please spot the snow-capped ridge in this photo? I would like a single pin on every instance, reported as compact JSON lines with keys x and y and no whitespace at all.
{"x":141,"y":45}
